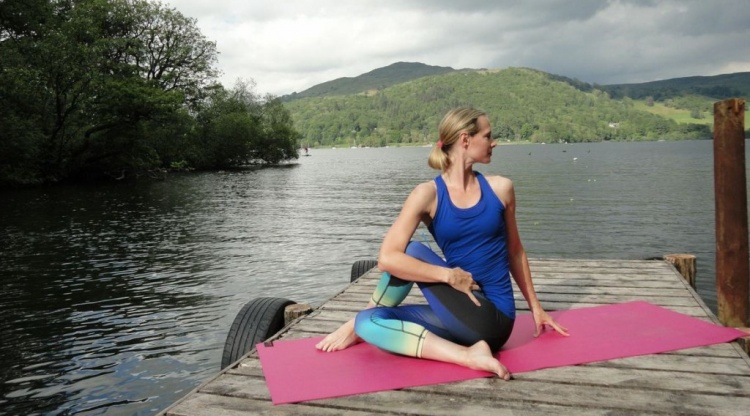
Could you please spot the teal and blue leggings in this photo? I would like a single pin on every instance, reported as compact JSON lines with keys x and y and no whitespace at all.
{"x":449,"y":314}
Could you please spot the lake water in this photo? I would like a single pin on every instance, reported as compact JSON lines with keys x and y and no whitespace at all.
{"x":117,"y":298}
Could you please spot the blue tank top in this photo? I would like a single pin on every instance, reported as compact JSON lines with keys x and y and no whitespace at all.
{"x":474,"y":239}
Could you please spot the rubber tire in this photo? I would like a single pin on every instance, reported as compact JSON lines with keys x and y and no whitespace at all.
{"x":257,"y":321}
{"x":361,"y":267}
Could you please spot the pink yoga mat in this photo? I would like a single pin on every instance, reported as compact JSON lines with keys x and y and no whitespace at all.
{"x":295,"y":371}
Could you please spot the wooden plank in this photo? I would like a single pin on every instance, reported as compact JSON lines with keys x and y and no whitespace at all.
{"x":548,"y":287}
{"x":597,"y":263}
{"x":705,"y":383}
{"x":622,"y":267}
{"x":580,"y":285}
{"x":580,"y":394}
{"x":716,"y":350}
{"x":350,"y":308}
{"x":628,"y":391}
{"x":201,"y":404}
{"x":564,"y":296}
{"x":408,"y":401}
{"x":603,"y":269}
{"x":354,"y":303}
{"x":683,"y":363}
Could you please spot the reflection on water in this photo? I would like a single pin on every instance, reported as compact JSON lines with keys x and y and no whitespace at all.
{"x":118,"y":298}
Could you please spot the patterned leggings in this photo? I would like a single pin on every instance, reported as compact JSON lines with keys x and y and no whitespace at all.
{"x":449,"y":314}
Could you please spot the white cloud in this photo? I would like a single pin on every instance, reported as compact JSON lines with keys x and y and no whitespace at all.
{"x":292,"y":45}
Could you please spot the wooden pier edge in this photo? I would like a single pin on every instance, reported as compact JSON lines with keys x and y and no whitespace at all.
{"x":288,"y":323}
{"x":685,"y":264}
{"x":742,"y":344}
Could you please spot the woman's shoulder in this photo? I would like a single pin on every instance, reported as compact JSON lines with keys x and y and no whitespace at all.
{"x":503,"y":188}
{"x":425,"y":189}
{"x":422,"y":197}
{"x":498,"y":182}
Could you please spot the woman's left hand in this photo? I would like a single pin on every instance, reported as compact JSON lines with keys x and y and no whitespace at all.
{"x":542,"y":319}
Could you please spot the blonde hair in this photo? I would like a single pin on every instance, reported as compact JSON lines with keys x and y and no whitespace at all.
{"x":454,"y":123}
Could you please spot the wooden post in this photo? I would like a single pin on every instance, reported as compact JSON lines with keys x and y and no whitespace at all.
{"x":745,"y":341}
{"x":730,"y":188}
{"x":292,"y":312}
{"x":685,"y":264}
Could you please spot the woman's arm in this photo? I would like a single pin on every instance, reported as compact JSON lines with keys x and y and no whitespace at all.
{"x":419,"y":206}
{"x":519,"y":262}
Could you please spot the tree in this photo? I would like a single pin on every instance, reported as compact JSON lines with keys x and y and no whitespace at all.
{"x":48,"y":77}
{"x":279,"y":140}
{"x":238,"y":128}
{"x":226,"y":128}
{"x":165,"y":47}
{"x":96,"y":88}
{"x":81,"y":78}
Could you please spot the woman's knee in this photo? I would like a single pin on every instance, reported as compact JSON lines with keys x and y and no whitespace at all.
{"x":365,"y":321}
{"x":362,"y":320}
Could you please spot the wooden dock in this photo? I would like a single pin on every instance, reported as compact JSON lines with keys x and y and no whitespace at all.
{"x":712,"y":380}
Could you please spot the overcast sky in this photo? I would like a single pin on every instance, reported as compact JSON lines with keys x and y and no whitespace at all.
{"x":291,"y":45}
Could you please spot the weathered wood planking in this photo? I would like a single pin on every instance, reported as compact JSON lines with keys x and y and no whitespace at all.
{"x":707,"y":380}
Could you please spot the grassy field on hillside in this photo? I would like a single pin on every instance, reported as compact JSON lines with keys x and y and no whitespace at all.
{"x":680,"y":116}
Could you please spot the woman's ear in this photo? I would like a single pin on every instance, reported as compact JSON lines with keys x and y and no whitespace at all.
{"x":464,"y":137}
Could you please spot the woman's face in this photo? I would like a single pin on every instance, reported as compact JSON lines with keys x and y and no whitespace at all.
{"x":481,"y":144}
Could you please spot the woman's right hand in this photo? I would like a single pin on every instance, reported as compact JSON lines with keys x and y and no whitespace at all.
{"x":462,"y":281}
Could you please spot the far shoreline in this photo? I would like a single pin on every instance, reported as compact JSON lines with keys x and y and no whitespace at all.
{"x":501,"y":143}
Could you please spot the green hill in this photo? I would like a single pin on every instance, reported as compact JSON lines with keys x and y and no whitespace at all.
{"x":377,"y":79}
{"x":523,"y":104}
{"x":715,"y":87}
{"x":685,"y":100}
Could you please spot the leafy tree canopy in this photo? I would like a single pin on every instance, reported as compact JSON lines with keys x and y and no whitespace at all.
{"x":98,"y":88}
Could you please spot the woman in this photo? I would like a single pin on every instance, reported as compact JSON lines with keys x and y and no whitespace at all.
{"x":470,"y":311}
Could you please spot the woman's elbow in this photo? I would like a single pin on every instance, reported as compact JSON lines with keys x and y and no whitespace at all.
{"x":387,"y":260}
{"x":384,"y":263}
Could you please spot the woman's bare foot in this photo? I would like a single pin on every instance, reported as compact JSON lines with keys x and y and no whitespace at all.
{"x":480,"y":357}
{"x":339,"y":339}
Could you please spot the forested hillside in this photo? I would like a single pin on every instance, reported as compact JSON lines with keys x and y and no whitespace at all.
{"x":523,"y":104}
{"x":379,"y":78}
{"x":714,"y":87}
